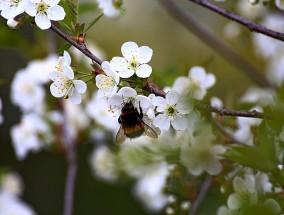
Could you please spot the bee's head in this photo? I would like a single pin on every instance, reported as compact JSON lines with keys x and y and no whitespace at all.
{"x":128,"y":106}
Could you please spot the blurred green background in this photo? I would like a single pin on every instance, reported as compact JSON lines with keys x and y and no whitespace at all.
{"x":175,"y":51}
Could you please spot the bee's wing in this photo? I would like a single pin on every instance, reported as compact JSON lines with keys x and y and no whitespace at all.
{"x":120,"y":136}
{"x":150,"y":131}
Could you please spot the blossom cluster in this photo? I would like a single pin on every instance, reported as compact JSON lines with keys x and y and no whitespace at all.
{"x":43,"y":11}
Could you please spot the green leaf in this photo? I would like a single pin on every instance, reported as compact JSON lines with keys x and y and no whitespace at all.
{"x":251,"y":157}
{"x":73,"y":10}
{"x":94,"y":22}
{"x":63,"y":48}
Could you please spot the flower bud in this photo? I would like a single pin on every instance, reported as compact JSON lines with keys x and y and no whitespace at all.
{"x":14,"y":23}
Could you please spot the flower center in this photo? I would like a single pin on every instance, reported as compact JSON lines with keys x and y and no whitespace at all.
{"x":15,"y":3}
{"x":171,"y":110}
{"x":133,"y":65}
{"x":117,"y":3}
{"x":42,"y":7}
{"x":59,"y":65}
{"x":108,"y":82}
{"x":69,"y":86}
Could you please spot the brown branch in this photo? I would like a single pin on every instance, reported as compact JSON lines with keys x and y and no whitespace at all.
{"x":247,"y":23}
{"x":202,"y":193}
{"x":226,"y":112}
{"x":81,"y":47}
{"x":207,"y":37}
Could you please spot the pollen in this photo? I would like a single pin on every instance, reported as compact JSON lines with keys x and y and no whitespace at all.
{"x":42,"y":7}
{"x":171,"y":110}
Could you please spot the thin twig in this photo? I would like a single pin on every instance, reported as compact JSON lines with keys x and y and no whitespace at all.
{"x":226,"y":112}
{"x":81,"y":48}
{"x":70,"y":178}
{"x":202,"y":193}
{"x":185,"y":18}
{"x":247,"y":23}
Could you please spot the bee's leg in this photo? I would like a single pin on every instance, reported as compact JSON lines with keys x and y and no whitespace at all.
{"x":141,"y":112}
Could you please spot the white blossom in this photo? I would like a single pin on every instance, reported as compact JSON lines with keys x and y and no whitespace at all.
{"x":259,"y":96}
{"x":65,"y":86}
{"x":134,"y":61}
{"x":11,"y":204}
{"x":149,"y":188}
{"x":245,"y":192}
{"x":103,"y":164}
{"x":13,"y":23}
{"x":110,"y":8}
{"x":172,"y":111}
{"x":279,"y":4}
{"x":201,"y":155}
{"x":196,"y":84}
{"x":25,"y":136}
{"x":44,"y":11}
{"x":108,"y":83}
{"x":26,"y":91}
{"x":12,"y":183}
{"x":10,"y":9}
{"x":99,"y":110}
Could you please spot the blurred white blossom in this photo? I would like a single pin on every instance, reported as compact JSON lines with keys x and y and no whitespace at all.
{"x":268,"y":47}
{"x":196,"y":84}
{"x":26,"y":91}
{"x":110,"y":8}
{"x":29,"y":135}
{"x":201,"y":155}
{"x":250,"y":11}
{"x":149,"y":188}
{"x":245,"y":192}
{"x":99,"y":110}
{"x":258,"y":96}
{"x":10,"y":190}
{"x":134,"y":61}
{"x":12,"y":205}
{"x":103,"y":163}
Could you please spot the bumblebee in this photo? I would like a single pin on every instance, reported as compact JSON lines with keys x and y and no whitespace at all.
{"x":132,"y":125}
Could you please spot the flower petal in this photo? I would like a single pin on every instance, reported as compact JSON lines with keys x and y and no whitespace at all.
{"x":144,"y":71}
{"x":162,"y":122}
{"x":160,"y":102}
{"x":67,"y":58}
{"x":127,"y":92}
{"x":184,"y":105}
{"x":126,"y":73}
{"x":115,"y":100}
{"x":179,"y":123}
{"x":143,"y":101}
{"x":181,"y":84}
{"x":144,"y":54}
{"x":80,"y":86}
{"x":197,"y":73}
{"x":42,"y":22}
{"x":75,"y":97}
{"x":235,"y":201}
{"x":58,"y":90}
{"x":172,"y":97}
{"x":209,"y":81}
{"x":56,"y":13}
{"x":68,"y":71}
{"x":129,"y":50}
{"x":119,"y":64}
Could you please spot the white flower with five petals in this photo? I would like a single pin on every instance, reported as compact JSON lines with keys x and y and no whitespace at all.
{"x":65,"y":86}
{"x":107,"y":83}
{"x":11,"y":8}
{"x":196,"y":84}
{"x":134,"y":60}
{"x":44,"y":11}
{"x":173,"y":110}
